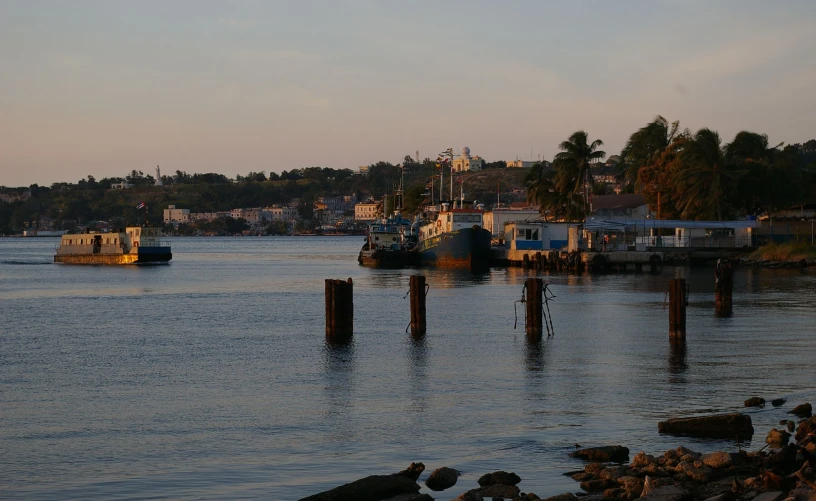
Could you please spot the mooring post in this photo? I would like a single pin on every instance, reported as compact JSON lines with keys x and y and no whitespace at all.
{"x":534,"y":311}
{"x":339,"y":308}
{"x":677,"y":308}
{"x":417,"y":289}
{"x":723,"y":286}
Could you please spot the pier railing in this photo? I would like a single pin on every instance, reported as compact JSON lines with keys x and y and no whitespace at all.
{"x":710,"y":242}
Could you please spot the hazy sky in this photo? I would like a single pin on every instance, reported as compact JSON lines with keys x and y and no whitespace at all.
{"x":106,"y":87}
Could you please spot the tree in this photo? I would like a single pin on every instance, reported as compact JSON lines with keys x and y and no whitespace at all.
{"x":704,"y":177}
{"x":573,"y":165}
{"x":646,"y":145}
{"x":540,"y":185}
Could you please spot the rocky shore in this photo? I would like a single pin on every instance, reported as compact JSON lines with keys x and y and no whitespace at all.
{"x":780,"y":471}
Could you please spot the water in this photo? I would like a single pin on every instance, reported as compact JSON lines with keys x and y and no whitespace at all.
{"x":210,"y":377}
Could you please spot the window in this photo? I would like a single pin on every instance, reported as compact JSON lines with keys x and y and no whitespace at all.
{"x":520,"y":233}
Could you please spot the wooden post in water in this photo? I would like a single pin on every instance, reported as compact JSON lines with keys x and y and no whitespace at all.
{"x":533,"y":308}
{"x":417,"y":290}
{"x":723,"y":286}
{"x":677,"y":308}
{"x":339,"y":308}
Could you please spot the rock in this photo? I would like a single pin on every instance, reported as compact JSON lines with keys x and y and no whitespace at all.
{"x":717,"y":460}
{"x":372,"y":488}
{"x":803,"y":410}
{"x":714,"y":426}
{"x":613,"y":492}
{"x":413,"y":471}
{"x":442,"y":478}
{"x":562,"y":497}
{"x":755,"y":402}
{"x":614,"y":453}
{"x":471,"y":495}
{"x":683,"y":451}
{"x":411,"y":497}
{"x":632,"y":485}
{"x":613,"y":473}
{"x":803,"y":494}
{"x":777,"y":402}
{"x":777,"y":437}
{"x":582,"y":476}
{"x":642,"y":459}
{"x":499,"y":477}
{"x":770,"y":496}
{"x":597,"y":485}
{"x":806,"y":428}
{"x":782,"y":462}
{"x":500,"y":491}
{"x":667,"y":493}
{"x":791,"y":426}
{"x":594,"y":468}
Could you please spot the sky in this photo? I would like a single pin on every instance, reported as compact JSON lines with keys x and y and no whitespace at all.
{"x":106,"y":87}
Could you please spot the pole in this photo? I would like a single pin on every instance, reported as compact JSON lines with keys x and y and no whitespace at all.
{"x":417,"y":290}
{"x":339,"y":308}
{"x":534,"y":310}
{"x":677,"y":308}
{"x":723,"y":287}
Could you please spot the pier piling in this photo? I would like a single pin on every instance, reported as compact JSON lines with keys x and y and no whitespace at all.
{"x":417,"y":289}
{"x":339,"y":308}
{"x":723,"y":286}
{"x":677,"y":308}
{"x":535,"y":288}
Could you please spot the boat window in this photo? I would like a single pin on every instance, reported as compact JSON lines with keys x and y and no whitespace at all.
{"x":459,"y":218}
{"x":476,"y":219}
{"x":520,"y":233}
{"x":70,"y":242}
{"x":114,"y":241}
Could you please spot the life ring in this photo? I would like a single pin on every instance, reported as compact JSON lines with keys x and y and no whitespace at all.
{"x":135,"y":244}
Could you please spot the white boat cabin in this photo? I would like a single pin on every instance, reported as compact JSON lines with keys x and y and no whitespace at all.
{"x":124,"y":242}
{"x":451,"y":220}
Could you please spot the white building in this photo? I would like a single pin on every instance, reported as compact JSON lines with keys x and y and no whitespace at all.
{"x":520,"y":164}
{"x":175,"y":216}
{"x":366,"y":211}
{"x":276,"y":213}
{"x":495,"y":220}
{"x":466,"y":162}
{"x":124,"y":185}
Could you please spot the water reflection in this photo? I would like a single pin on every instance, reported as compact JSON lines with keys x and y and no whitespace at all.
{"x":677,"y":361}
{"x":418,"y":374}
{"x":533,"y":356}
{"x":338,"y":371}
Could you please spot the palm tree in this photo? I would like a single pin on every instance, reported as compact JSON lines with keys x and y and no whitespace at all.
{"x":703,"y":177}
{"x":646,"y":145}
{"x":574,"y":162}
{"x":540,"y":184}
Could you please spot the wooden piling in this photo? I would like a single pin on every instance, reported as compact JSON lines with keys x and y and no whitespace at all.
{"x":533,"y":306}
{"x":339,"y":308}
{"x":677,"y":308}
{"x":723,"y":286}
{"x":417,"y":289}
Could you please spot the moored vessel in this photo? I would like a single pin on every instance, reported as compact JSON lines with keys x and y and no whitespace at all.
{"x":390,"y":243}
{"x":455,"y":238}
{"x":135,"y":245}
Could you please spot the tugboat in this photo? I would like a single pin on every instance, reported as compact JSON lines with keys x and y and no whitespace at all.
{"x":135,"y":245}
{"x":391,"y":243}
{"x":455,"y":238}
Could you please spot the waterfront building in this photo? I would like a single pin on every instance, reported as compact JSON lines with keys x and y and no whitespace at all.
{"x":124,"y":185}
{"x":630,"y":206}
{"x":466,"y":162}
{"x":172,"y":215}
{"x":366,"y":211}
{"x":495,"y":220}
{"x":520,"y":164}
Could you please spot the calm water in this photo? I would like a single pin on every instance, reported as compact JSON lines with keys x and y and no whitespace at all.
{"x":210,"y":378}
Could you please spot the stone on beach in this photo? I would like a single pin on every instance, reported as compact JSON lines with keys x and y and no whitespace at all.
{"x":717,"y":460}
{"x":616,"y":453}
{"x":372,"y":488}
{"x":667,"y":493}
{"x":803,"y":410}
{"x":499,"y":477}
{"x":713,"y":426}
{"x":777,"y":437}
{"x":755,"y":402}
{"x":442,"y":478}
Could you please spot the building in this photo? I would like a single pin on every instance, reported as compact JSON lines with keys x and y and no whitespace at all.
{"x":176,"y":216}
{"x":366,"y":211}
{"x":606,"y":174}
{"x":124,"y":185}
{"x":495,"y":220}
{"x":627,"y":206}
{"x":536,"y":235}
{"x":466,"y":162}
{"x":276,"y":213}
{"x":520,"y":164}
